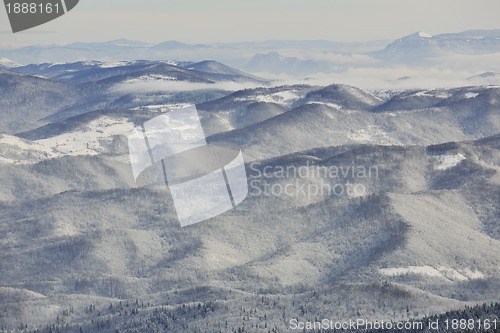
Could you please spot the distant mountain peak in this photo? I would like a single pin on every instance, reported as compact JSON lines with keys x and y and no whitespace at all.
{"x":171,"y":45}
{"x":417,"y":36}
{"x":421,"y":46}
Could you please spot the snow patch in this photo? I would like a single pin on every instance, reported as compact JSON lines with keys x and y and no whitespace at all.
{"x":433,"y":93}
{"x":422,"y":34}
{"x":285,"y":97}
{"x":471,"y":95}
{"x":449,"y":161}
{"x":332,"y":105}
{"x":151,"y":77}
{"x":441,"y":272}
{"x":170,"y":62}
{"x":162,"y":107}
{"x":113,"y":64}
{"x":91,"y":139}
{"x":372,"y":134}
{"x":64,"y":229}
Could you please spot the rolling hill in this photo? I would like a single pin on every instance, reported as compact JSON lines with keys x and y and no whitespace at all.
{"x":379,"y":204}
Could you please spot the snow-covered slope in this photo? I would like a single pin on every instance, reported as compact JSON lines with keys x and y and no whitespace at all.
{"x":413,"y":117}
{"x":26,"y":99}
{"x":402,"y":231}
{"x":93,"y":138}
{"x":410,"y":226}
{"x":14,"y":150}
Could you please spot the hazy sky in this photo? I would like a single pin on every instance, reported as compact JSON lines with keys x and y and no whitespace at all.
{"x":204,"y":21}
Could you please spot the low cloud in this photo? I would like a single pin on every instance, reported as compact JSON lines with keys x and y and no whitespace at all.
{"x":144,"y":87}
{"x":379,"y":78}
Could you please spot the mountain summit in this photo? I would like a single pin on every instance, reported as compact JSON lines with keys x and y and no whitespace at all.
{"x":422,"y":45}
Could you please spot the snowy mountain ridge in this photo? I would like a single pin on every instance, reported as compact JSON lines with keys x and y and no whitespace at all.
{"x":83,"y":247}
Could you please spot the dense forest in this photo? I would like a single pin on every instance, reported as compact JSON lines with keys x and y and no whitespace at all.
{"x":204,"y":317}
